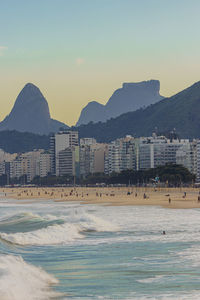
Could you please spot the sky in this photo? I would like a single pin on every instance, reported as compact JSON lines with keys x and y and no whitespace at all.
{"x":78,"y":51}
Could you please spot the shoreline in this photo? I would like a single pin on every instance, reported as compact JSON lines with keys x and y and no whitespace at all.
{"x":182,"y":198}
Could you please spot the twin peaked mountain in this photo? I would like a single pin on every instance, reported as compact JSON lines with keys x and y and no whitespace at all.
{"x":136,"y":109}
{"x":30,"y":112}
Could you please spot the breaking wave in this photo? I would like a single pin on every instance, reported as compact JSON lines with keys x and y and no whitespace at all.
{"x":30,"y":229}
{"x":52,"y":235}
{"x":27,"y":221}
{"x":94,"y":223}
{"x":21,"y":281}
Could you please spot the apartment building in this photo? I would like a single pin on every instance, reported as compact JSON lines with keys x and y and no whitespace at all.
{"x":121,"y":155}
{"x":158,"y":150}
{"x":92,"y":157}
{"x":59,"y":142}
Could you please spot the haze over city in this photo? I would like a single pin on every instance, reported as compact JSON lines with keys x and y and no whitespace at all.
{"x":79,"y":51}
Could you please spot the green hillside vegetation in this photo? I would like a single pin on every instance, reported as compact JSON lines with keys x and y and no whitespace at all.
{"x":14,"y":141}
{"x":181,"y":111}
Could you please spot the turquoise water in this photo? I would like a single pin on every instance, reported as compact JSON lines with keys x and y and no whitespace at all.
{"x":71,"y":251}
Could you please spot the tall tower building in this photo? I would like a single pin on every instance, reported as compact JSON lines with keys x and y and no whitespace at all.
{"x":59,"y":142}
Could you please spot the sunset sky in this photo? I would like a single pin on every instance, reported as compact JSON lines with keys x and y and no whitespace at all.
{"x":76,"y":51}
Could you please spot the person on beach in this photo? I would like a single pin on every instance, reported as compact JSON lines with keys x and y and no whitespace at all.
{"x":169,"y":200}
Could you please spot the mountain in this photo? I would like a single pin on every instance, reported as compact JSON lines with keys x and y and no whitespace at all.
{"x":30,"y":113}
{"x":181,"y":111}
{"x":130,"y":97}
{"x":16,"y":142}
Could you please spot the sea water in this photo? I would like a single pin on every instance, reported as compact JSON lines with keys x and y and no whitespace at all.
{"x":66,"y":250}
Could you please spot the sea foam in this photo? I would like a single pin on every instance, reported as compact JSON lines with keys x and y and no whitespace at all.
{"x":52,"y":235}
{"x":21,"y":281}
{"x":94,"y":223}
{"x":32,"y":229}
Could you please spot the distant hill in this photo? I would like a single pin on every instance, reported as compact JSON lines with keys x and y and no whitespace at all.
{"x":130,"y":97}
{"x":15,"y":142}
{"x":30,"y":113}
{"x":181,"y":111}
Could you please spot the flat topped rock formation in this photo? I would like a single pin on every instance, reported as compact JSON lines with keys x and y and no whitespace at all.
{"x":30,"y":113}
{"x":181,"y":111}
{"x":130,"y":97}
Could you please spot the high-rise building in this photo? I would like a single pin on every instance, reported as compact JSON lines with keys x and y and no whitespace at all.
{"x":84,"y":160}
{"x":69,"y":161}
{"x":198,"y":161}
{"x":31,"y":164}
{"x":97,"y":157}
{"x":121,"y":155}
{"x":87,"y":141}
{"x":158,"y":150}
{"x":4,"y":156}
{"x":60,"y":142}
{"x":92,"y":158}
{"x":185,"y":156}
{"x":44,"y":164}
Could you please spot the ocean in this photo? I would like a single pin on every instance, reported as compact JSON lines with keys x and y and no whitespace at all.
{"x":66,"y":250}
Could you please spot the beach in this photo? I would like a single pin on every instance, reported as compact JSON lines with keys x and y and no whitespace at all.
{"x":71,"y":250}
{"x":111,"y":196}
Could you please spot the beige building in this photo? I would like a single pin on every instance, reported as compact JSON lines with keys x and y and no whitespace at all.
{"x":92,"y":158}
{"x":32,"y":164}
{"x":44,"y":164}
{"x":7,"y":157}
{"x":97,"y":157}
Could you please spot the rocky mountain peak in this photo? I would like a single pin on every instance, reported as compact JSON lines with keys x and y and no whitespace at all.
{"x":30,"y":113}
{"x":130,"y":97}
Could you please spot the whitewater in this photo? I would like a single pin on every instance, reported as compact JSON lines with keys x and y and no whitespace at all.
{"x":62,"y":251}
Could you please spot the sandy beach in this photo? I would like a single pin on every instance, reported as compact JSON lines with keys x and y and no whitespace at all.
{"x":112,"y":196}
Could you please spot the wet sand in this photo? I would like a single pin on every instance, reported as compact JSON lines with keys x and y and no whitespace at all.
{"x":113,"y":196}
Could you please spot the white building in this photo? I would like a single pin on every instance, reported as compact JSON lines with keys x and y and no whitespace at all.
{"x":158,"y":150}
{"x":59,"y":142}
{"x":185,"y":156}
{"x":121,"y":155}
{"x":87,"y":141}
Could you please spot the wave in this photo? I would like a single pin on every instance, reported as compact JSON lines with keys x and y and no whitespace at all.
{"x":93,"y":223}
{"x":21,"y":281}
{"x":32,"y":229}
{"x":27,"y":221}
{"x":52,"y":235}
{"x":150,"y":280}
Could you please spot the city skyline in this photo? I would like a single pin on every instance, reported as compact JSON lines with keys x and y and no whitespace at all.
{"x":77,"y":52}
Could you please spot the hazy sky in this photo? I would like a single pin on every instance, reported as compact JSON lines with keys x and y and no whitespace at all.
{"x":76,"y":51}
